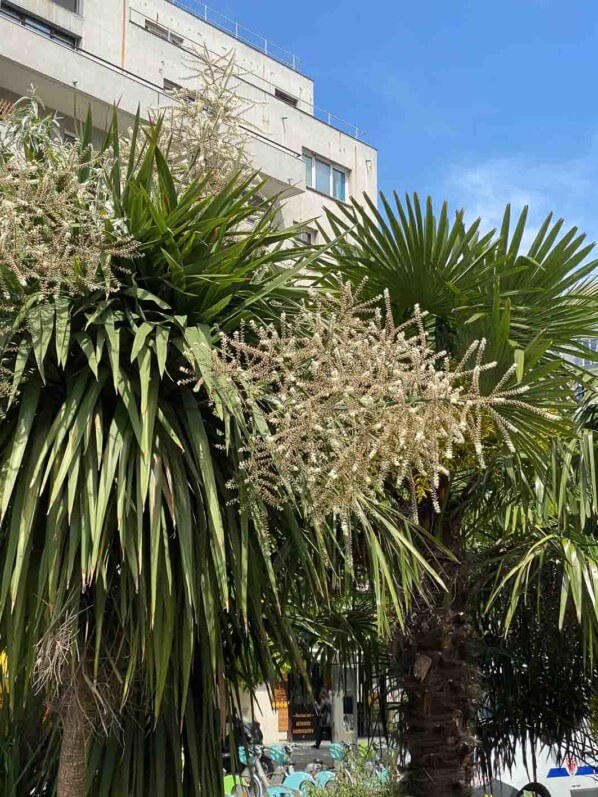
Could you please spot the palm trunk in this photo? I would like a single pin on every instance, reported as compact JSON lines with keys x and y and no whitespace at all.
{"x":72,"y":769}
{"x":441,"y":690}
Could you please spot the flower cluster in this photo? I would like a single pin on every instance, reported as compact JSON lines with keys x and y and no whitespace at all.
{"x":354,"y":405}
{"x":203,"y":133}
{"x":57,"y":231}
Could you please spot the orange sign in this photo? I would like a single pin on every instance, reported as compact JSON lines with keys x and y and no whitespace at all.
{"x":281,"y":704}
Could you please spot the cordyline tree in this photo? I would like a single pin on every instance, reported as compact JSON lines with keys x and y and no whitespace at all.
{"x":505,"y":521}
{"x":133,"y":593}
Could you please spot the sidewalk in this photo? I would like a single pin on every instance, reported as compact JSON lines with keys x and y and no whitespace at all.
{"x":305,"y":753}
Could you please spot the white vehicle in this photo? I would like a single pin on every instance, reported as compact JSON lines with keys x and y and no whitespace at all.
{"x":569,"y":778}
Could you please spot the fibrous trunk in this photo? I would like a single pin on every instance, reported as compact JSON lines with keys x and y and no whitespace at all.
{"x":441,"y":691}
{"x":72,"y":769}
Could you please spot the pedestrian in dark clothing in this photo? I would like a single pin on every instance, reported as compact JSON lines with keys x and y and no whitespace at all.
{"x":323,"y":708}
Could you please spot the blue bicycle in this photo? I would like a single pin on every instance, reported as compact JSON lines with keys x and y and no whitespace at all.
{"x":296,"y":784}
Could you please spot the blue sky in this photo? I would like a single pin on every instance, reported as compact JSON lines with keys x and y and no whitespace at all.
{"x":479,"y":102}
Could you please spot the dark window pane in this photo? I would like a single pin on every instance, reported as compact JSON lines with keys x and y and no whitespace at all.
{"x":64,"y":38}
{"x":70,"y":5}
{"x":306,"y":237}
{"x":11,"y":13}
{"x":308,"y":170}
{"x":156,"y":29}
{"x":38,"y":26}
{"x":322,"y":177}
{"x":288,"y":98}
{"x":339,"y":180}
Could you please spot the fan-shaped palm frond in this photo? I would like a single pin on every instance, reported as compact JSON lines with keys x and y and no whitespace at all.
{"x":533,"y":305}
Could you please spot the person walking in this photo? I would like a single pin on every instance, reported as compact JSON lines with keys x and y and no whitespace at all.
{"x":323,"y":708}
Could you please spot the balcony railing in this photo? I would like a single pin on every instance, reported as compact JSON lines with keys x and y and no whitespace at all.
{"x":230,"y":26}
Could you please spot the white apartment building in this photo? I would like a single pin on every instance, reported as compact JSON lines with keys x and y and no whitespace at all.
{"x":78,"y":53}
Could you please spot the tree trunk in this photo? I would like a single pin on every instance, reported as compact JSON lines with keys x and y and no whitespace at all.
{"x":72,"y":769}
{"x":441,"y":689}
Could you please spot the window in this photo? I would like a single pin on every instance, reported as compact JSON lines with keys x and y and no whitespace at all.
{"x":339,"y":184}
{"x":288,"y":98}
{"x":583,"y":361}
{"x":64,"y":38}
{"x":156,"y":29}
{"x":325,"y":178}
{"x":163,"y":33}
{"x":307,"y":237}
{"x":309,"y":166}
{"x":322,"y":182}
{"x":37,"y":25}
{"x":70,"y":5}
{"x":170,"y":87}
{"x":9,"y":12}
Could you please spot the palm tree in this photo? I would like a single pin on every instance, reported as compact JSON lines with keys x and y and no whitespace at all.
{"x":532,"y":304}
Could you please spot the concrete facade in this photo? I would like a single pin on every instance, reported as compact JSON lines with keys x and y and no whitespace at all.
{"x":100,"y":52}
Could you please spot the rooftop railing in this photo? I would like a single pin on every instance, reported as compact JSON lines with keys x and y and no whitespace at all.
{"x":245,"y":35}
{"x":312,"y":110}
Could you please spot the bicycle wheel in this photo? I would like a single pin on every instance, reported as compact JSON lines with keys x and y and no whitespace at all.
{"x":534,"y":790}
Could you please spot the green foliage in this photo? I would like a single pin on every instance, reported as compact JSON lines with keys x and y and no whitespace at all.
{"x":524,"y":527}
{"x":365,"y":788}
{"x":364,"y":780}
{"x":130,"y":581}
{"x":527,"y":678}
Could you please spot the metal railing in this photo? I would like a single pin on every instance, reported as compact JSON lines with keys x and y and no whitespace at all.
{"x":232,"y":27}
{"x":337,"y":122}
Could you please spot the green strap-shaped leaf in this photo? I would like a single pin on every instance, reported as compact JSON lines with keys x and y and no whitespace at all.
{"x":19,"y":368}
{"x":129,"y":400}
{"x":61,"y":426}
{"x":149,"y":403}
{"x":63,"y":329}
{"x":140,"y":337}
{"x":89,"y":350}
{"x":145,"y":296}
{"x":24,"y":505}
{"x":155,"y":531}
{"x":41,"y":326}
{"x":113,"y":343}
{"x":79,"y":428}
{"x":187,"y":530}
{"x":20,"y":440}
{"x":162,"y":333}
{"x":109,"y":463}
{"x":199,"y":342}
{"x":203,"y":455}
